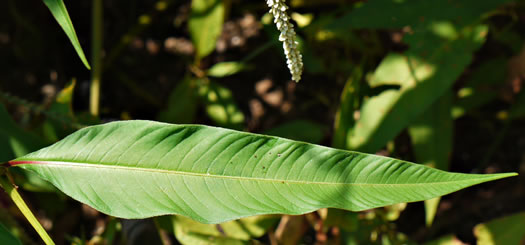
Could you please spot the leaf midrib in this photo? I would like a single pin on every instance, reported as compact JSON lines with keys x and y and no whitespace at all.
{"x":283,"y":181}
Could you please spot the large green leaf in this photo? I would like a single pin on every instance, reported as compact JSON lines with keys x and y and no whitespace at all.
{"x":138,"y":169}
{"x":59,"y":11}
{"x":205,"y":25}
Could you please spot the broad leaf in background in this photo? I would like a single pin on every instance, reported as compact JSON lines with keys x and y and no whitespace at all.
{"x":445,"y":240}
{"x":182,"y":103}
{"x":221,"y":106}
{"x":424,"y":73}
{"x":139,"y":169}
{"x":506,"y":230}
{"x":225,"y":69}
{"x":187,"y":237}
{"x":432,"y":138}
{"x":205,"y":25}
{"x":386,"y":14}
{"x":17,"y":142}
{"x":359,"y":227}
{"x":480,"y":87}
{"x":6,"y":152}
{"x":59,"y":11}
{"x":7,"y":238}
{"x":346,"y":112}
{"x":441,"y":43}
{"x":301,"y":130}
{"x":189,"y":231}
{"x":21,"y":142}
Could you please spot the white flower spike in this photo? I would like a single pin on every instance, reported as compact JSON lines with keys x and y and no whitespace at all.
{"x":294,"y":59}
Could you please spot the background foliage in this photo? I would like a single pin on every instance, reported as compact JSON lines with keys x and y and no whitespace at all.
{"x":434,"y":82}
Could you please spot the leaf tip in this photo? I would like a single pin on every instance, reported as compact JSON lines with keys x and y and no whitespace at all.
{"x":502,"y":175}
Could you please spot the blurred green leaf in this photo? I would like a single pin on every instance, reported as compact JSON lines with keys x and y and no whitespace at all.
{"x":205,"y":25}
{"x":481,"y":86}
{"x":441,"y":37}
{"x":432,"y":138}
{"x":350,"y":103}
{"x":225,"y":69}
{"x":302,"y":130}
{"x":505,"y":230}
{"x":182,"y":103}
{"x":375,"y":14}
{"x":59,"y":11}
{"x":343,"y":219}
{"x":21,"y":141}
{"x":221,"y":106}
{"x":445,"y":240}
{"x":432,"y":134}
{"x":189,"y":232}
{"x":433,"y":64}
{"x":393,"y":212}
{"x":17,"y":142}
{"x":7,"y":238}
{"x":258,"y":225}
{"x":6,"y":153}
{"x":398,"y":69}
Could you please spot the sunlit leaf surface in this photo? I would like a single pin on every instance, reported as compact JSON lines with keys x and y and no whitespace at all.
{"x":138,"y":169}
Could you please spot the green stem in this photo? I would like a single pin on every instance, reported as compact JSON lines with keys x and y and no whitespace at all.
{"x":17,"y":199}
{"x":96,"y":60}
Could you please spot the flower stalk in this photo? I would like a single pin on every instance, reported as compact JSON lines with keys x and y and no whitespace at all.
{"x":294,"y":59}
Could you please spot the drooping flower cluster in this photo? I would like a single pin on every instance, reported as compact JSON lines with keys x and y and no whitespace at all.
{"x":294,"y":59}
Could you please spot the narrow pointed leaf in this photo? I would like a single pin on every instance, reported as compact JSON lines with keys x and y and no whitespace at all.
{"x":59,"y":11}
{"x":138,"y":169}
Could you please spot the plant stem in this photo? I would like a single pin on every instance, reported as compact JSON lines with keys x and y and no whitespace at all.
{"x":17,"y":199}
{"x":96,"y":59}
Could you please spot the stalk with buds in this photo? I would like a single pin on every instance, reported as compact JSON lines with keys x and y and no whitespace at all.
{"x":294,"y":59}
